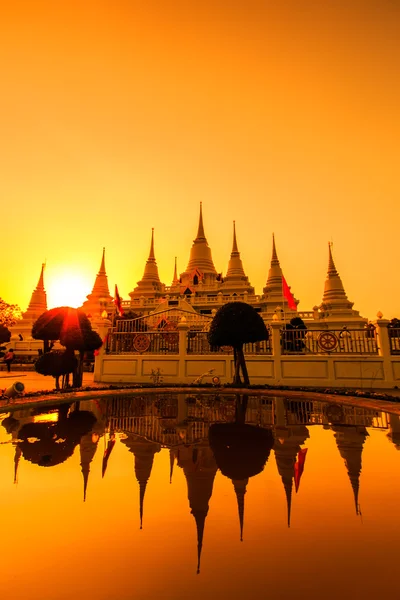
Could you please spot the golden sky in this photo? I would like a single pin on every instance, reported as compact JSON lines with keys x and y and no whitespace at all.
{"x":119,"y":116}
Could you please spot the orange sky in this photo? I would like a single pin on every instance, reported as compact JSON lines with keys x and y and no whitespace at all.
{"x":119,"y":116}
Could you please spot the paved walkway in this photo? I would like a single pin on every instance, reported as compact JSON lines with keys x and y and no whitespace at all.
{"x":34,"y":382}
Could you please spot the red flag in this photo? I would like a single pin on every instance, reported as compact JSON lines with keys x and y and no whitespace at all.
{"x":288,"y":295}
{"x":118,"y":302}
{"x":299,"y":467}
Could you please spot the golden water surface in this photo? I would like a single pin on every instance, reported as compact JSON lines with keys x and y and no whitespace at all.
{"x":75,"y":481}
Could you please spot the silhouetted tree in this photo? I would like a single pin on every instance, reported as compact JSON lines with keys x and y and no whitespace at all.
{"x":72,"y":327}
{"x":57,"y":364}
{"x":5,"y":334}
{"x":9,"y":313}
{"x":236,"y":324}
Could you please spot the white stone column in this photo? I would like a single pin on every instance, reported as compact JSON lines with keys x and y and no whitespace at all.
{"x":382,"y":335}
{"x":183,"y":328}
{"x":276,"y":349}
{"x":102,"y":326}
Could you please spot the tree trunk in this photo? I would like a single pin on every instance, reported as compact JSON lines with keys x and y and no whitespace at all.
{"x":236,"y":377}
{"x":242,"y":363}
{"x":241,"y":408}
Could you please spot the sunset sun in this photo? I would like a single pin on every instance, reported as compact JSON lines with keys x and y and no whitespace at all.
{"x":67,"y":288}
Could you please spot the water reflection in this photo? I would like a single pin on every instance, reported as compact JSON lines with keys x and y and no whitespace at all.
{"x":236,"y":435}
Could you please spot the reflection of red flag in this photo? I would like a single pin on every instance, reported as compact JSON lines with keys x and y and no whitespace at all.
{"x":288,"y":295}
{"x":118,"y":302}
{"x":299,"y":467}
{"x":110,"y":446}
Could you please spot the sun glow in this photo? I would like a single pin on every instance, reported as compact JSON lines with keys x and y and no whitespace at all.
{"x":67,"y":288}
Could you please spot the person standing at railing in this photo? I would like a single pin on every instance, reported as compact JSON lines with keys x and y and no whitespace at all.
{"x":345,"y":340}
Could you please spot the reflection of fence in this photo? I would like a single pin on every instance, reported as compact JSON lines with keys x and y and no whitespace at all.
{"x":171,"y":419}
{"x":343,"y":341}
{"x":315,"y":413}
{"x":394,"y":340}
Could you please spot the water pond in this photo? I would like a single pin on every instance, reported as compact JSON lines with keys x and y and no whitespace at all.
{"x":199,"y":496}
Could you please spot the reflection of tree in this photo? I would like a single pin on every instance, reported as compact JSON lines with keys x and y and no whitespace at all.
{"x":56,"y":441}
{"x":240,"y":451}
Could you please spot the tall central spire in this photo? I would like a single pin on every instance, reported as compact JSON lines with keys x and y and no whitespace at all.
{"x":200,"y":254}
{"x":235,"y":267}
{"x":200,"y":231}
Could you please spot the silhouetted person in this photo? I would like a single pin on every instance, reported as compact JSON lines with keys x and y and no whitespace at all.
{"x":8,"y":358}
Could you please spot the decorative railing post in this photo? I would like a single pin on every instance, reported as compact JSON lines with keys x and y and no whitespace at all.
{"x":183,"y":328}
{"x":276,"y":349}
{"x":382,"y":334}
{"x":102,"y":327}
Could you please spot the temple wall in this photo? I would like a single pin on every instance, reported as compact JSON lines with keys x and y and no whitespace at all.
{"x":376,"y":371}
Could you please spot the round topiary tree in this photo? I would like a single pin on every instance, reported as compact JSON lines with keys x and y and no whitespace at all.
{"x":72,"y":327}
{"x":236,"y":324}
{"x":57,"y":364}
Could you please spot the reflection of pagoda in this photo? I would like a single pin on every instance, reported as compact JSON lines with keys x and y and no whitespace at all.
{"x":87,"y":448}
{"x":394,"y":432}
{"x":199,"y":467}
{"x":143,"y":451}
{"x":350,"y":441}
{"x":288,"y":442}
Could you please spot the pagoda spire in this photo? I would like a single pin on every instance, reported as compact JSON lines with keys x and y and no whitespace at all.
{"x":40,"y":285}
{"x":151,"y":254}
{"x":350,"y":442}
{"x":103,"y":263}
{"x":273,"y":290}
{"x":334,"y":300}
{"x":150,"y":284}
{"x":274,"y":259}
{"x":234,"y":244}
{"x":200,"y":254}
{"x":87,"y":449}
{"x":235,"y":270}
{"x":17,"y":458}
{"x":175,"y":280}
{"x":144,"y":452}
{"x":286,"y":449}
{"x":171,"y":464}
{"x":240,"y":490}
{"x":199,"y":468}
{"x":100,"y":298}
{"x":200,"y":230}
{"x":38,"y":303}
